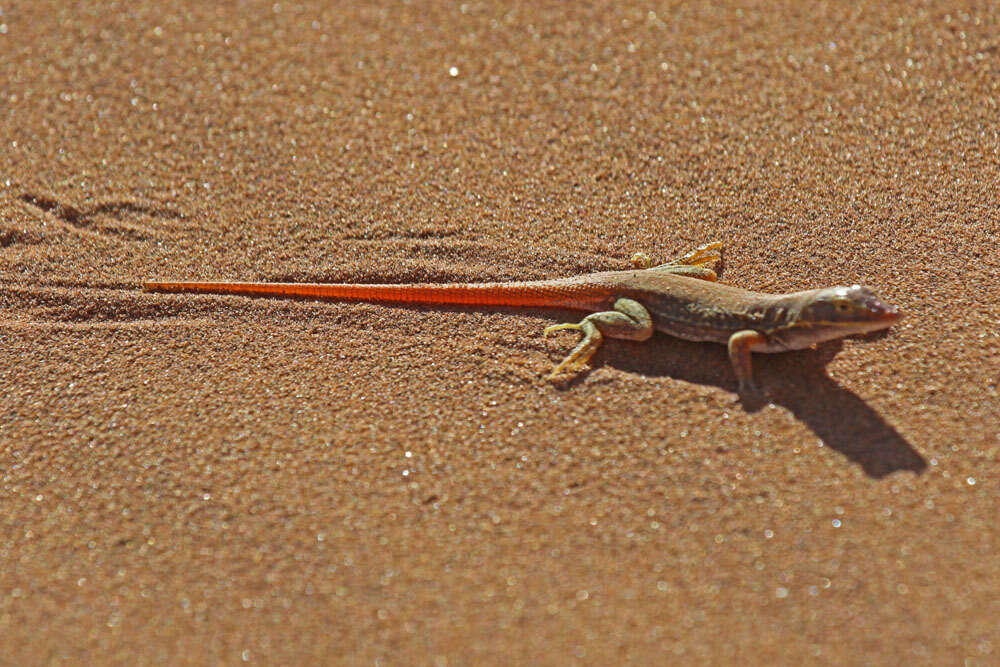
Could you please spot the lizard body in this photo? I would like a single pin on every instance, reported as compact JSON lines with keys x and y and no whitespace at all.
{"x":680,"y":298}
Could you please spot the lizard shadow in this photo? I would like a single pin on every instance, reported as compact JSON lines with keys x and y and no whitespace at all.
{"x":797,"y":381}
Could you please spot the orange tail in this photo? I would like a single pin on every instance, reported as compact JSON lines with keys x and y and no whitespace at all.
{"x":539,"y":294}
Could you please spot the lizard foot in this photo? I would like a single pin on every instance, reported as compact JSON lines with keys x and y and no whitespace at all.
{"x":641,"y":260}
{"x":692,"y":265}
{"x":703,"y":254}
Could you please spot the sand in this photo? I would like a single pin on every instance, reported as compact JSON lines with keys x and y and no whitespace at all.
{"x":202,"y":479}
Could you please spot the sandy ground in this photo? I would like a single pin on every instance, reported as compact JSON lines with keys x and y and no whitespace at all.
{"x":195,"y":479}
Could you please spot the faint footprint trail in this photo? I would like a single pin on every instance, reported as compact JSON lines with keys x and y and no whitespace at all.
{"x":88,"y":220}
{"x":13,"y":237}
{"x":83,"y":307}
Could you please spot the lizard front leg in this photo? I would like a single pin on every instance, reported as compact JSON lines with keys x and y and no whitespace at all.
{"x":741,"y":345}
{"x":629,"y":321}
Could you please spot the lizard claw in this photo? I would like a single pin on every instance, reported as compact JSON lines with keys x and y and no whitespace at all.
{"x":703,"y":254}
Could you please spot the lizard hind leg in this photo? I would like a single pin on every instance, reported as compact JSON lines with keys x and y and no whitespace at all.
{"x":691,"y":265}
{"x":629,"y":321}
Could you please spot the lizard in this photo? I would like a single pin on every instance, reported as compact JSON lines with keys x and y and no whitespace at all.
{"x":682,"y":298}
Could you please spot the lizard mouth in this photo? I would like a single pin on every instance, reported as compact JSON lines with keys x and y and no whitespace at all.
{"x":886,"y":314}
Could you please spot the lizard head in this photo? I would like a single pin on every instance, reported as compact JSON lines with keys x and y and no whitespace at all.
{"x":820,"y":315}
{"x":845,"y":311}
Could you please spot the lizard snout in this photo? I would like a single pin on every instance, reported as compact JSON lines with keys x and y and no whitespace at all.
{"x":885,"y":312}
{"x":891,"y":313}
{"x":874,"y":306}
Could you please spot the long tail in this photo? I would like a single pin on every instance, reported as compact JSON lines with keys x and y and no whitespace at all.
{"x":548,"y":294}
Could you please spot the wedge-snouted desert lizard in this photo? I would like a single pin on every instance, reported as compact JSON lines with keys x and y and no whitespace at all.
{"x":679,"y":298}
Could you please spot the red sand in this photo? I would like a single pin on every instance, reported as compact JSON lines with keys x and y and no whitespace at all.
{"x":211,"y":479}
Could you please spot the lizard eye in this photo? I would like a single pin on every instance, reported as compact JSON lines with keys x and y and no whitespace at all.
{"x":842,"y":305}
